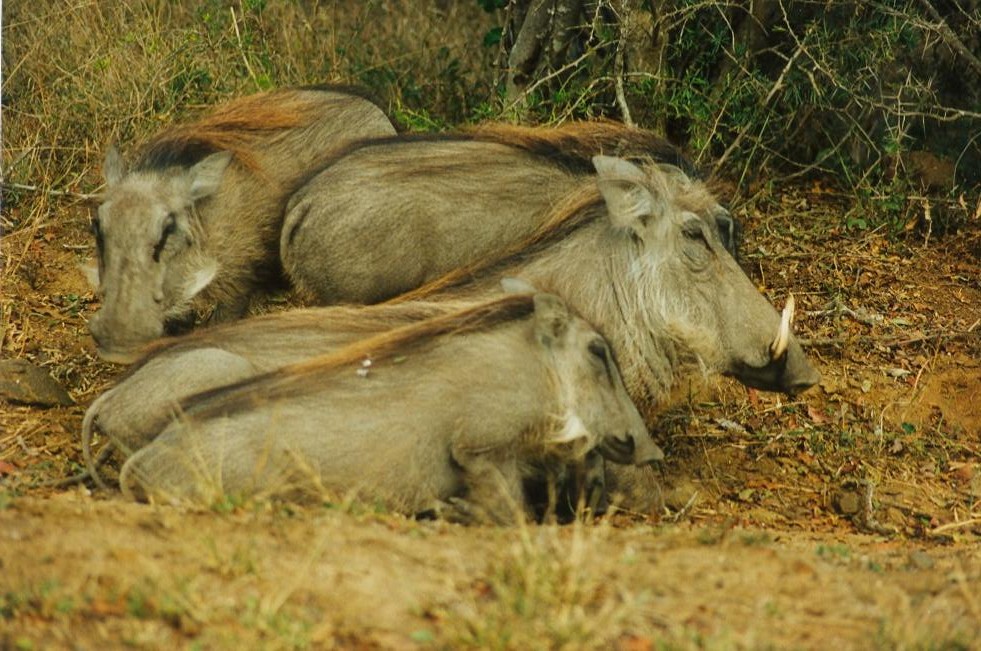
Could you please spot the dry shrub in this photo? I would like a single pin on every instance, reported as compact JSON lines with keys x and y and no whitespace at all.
{"x":80,"y":75}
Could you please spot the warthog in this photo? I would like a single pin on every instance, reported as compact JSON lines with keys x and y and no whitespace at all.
{"x":148,"y":396}
{"x":389,"y":215}
{"x":195,"y":223}
{"x":629,"y":252}
{"x":455,"y":408}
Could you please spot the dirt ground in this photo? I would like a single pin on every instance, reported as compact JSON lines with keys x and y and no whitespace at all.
{"x":847,"y":518}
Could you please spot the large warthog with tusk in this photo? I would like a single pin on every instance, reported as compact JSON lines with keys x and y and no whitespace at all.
{"x":391,"y":214}
{"x":194,"y":224}
{"x":455,"y":409}
{"x":630,"y":252}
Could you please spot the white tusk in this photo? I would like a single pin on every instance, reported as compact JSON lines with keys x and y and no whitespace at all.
{"x":779,"y":346}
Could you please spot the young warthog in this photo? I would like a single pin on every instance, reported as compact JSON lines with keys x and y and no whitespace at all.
{"x":629,"y":252}
{"x":455,"y":407}
{"x":394,"y":213}
{"x":195,"y":223}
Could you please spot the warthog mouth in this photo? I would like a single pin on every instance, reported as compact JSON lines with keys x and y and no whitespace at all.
{"x":776,"y":376}
{"x":624,"y":451}
{"x":787,"y":369}
{"x":119,"y":355}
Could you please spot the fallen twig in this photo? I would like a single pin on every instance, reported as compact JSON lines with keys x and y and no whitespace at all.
{"x":937,"y":531}
{"x":888,"y":342}
{"x":55,"y":193}
{"x":866,"y":517}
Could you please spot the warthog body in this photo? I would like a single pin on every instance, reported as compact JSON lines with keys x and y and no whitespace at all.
{"x":148,"y":396}
{"x":631,"y":254}
{"x":457,"y":407}
{"x":394,"y":213}
{"x":195,"y":223}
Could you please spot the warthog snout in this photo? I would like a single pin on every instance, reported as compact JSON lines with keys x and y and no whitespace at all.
{"x":635,"y":448}
{"x":786,"y":368}
{"x":113,"y":347}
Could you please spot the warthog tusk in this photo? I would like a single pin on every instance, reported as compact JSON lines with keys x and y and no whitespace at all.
{"x":779,"y":346}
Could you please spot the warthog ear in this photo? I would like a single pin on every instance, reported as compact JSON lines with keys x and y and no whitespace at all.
{"x":512,"y":285}
{"x":205,"y":176}
{"x":201,"y":279}
{"x":551,"y":318}
{"x":113,"y":167}
{"x":624,"y":189}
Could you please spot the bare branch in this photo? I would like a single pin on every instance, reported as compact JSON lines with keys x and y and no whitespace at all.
{"x":951,"y":38}
{"x":81,"y":196}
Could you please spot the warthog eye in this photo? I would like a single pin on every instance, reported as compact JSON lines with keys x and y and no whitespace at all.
{"x":693,"y":231}
{"x":598,"y":349}
{"x":170,"y":225}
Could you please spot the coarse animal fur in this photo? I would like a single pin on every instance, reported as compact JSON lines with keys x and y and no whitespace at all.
{"x":194,"y":224}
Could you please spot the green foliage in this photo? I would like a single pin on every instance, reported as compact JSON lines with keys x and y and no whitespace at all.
{"x":491,"y":6}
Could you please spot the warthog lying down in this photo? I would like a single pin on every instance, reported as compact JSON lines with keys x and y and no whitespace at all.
{"x":195,"y":223}
{"x":455,"y":407}
{"x":630,"y":253}
{"x":148,"y":396}
{"x":391,"y":214}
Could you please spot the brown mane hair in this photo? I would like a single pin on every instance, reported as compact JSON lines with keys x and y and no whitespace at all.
{"x":346,"y":318}
{"x":380,"y":347}
{"x":570,"y":146}
{"x":237,"y":126}
{"x":583,"y":140}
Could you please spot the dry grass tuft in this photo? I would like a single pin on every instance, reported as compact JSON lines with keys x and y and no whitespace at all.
{"x":550,"y":588}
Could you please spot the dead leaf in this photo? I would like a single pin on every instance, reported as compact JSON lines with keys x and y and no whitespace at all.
{"x":961,"y":471}
{"x":815,"y":415}
{"x":7,"y":468}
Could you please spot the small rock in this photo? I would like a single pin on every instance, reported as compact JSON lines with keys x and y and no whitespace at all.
{"x":23,"y":382}
{"x":847,"y":502}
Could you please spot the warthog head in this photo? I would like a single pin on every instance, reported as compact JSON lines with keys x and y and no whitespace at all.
{"x":683,"y":283}
{"x":151,"y":261}
{"x":598,"y":410}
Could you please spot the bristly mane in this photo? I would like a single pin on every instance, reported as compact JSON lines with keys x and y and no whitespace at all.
{"x":576,"y":143}
{"x":355,"y":319}
{"x":380,"y":347}
{"x":570,"y":146}
{"x":239,"y":126}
